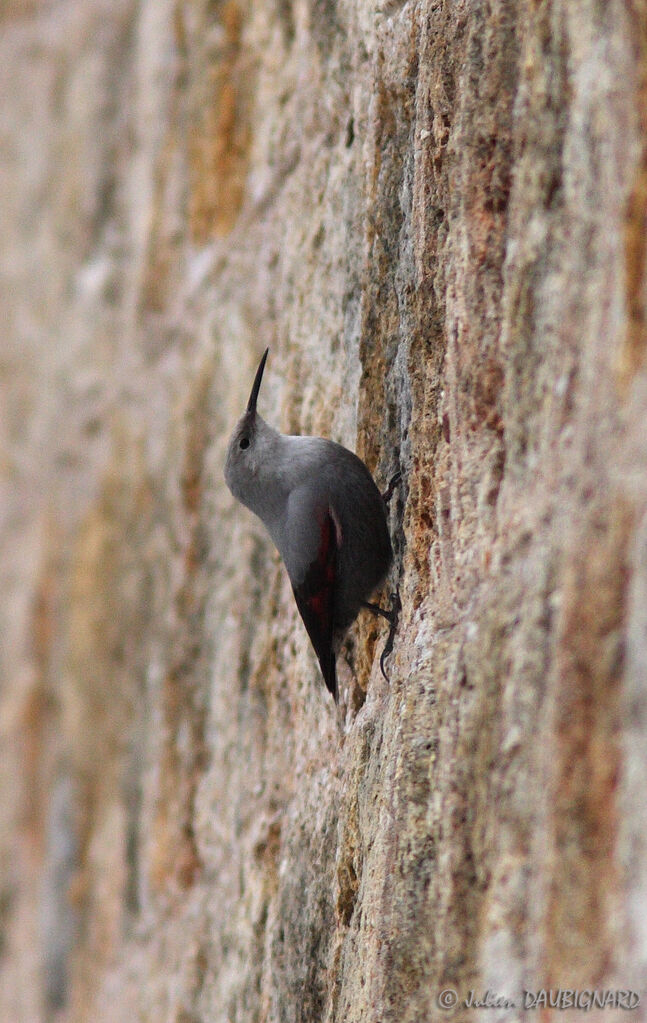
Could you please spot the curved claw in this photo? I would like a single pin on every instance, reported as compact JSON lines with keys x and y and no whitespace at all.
{"x":388,"y":493}
{"x":392,"y":616}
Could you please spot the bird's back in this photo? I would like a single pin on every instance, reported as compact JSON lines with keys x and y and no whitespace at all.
{"x":365,"y":552}
{"x":330,"y":479}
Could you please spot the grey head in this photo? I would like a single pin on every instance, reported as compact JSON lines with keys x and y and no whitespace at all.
{"x":252,"y":454}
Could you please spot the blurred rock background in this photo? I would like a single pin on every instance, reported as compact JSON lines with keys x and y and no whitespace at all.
{"x":434,"y":214}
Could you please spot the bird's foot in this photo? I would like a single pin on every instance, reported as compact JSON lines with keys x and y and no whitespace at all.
{"x":388,"y":493}
{"x":392,"y":616}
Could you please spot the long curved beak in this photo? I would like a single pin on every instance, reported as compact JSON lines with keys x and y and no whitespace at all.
{"x":251,"y":404}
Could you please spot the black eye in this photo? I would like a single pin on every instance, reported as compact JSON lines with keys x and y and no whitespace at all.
{"x":244,"y":443}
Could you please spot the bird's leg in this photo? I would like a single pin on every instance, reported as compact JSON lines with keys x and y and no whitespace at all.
{"x":392,"y":616}
{"x":377,"y":610}
{"x":388,"y":493}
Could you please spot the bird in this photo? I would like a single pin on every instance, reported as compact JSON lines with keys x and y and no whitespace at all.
{"x":327,"y":518}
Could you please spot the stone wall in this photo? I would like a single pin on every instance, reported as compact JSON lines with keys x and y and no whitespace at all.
{"x":435,"y":216}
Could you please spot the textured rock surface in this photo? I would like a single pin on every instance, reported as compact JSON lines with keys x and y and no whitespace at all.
{"x":435,"y":215}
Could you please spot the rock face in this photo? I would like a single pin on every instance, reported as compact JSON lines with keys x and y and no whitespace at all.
{"x":435,"y":216}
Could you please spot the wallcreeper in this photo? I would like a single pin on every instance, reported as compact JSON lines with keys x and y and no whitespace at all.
{"x":322,"y":509}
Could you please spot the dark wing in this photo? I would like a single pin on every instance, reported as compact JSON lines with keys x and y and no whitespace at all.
{"x":315,"y":597}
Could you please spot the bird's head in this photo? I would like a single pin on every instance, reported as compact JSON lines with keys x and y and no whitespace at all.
{"x":250,"y":447}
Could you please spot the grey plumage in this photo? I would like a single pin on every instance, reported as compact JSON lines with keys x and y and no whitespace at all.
{"x":325,"y":515}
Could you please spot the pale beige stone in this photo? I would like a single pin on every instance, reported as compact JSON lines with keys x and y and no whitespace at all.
{"x":434,"y":215}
